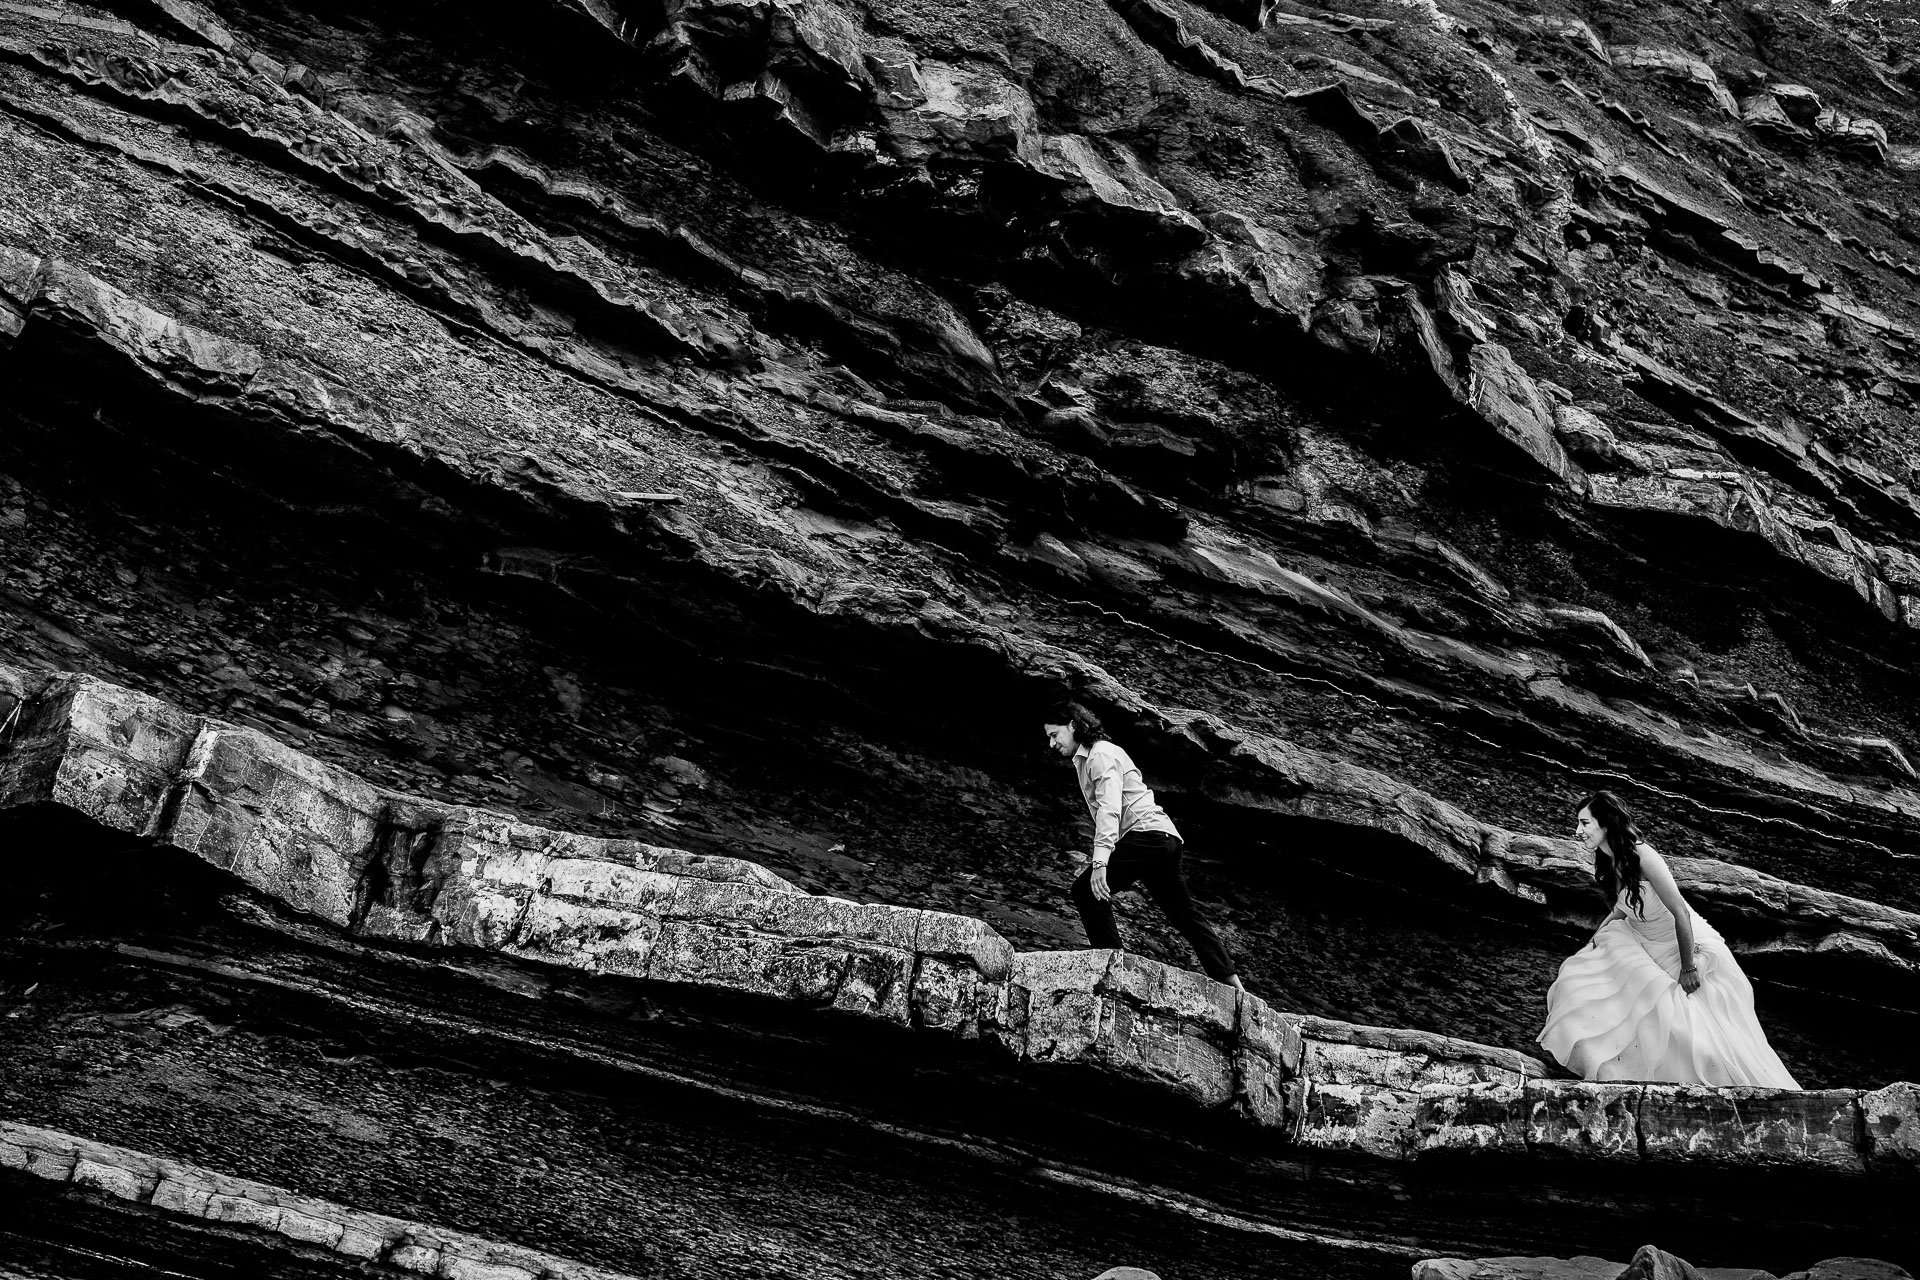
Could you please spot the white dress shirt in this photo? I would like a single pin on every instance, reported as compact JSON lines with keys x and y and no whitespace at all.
{"x":1116,"y":797}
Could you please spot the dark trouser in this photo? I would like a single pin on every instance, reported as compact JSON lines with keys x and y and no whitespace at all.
{"x":1153,"y":859}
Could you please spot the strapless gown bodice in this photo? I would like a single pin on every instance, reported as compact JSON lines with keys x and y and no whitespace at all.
{"x":1654,"y":925}
{"x":1617,"y":1010}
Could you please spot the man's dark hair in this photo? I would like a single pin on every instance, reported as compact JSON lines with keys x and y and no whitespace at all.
{"x":1087,"y":728}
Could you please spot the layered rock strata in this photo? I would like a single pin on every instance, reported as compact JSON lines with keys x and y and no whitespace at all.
{"x":1041,"y":475}
{"x":1649,"y":1262}
{"x":442,"y":884}
{"x":276,"y":1217}
{"x":720,"y":428}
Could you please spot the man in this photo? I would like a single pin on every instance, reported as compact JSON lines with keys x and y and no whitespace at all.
{"x":1133,"y":839}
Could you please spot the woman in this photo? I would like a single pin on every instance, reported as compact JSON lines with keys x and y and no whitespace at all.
{"x":1656,"y":995}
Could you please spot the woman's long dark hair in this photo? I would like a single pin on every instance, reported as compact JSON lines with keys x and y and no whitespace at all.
{"x":1622,"y":869}
{"x":1087,"y":728}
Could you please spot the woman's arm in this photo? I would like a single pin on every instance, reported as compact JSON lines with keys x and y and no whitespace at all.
{"x":1609,"y":918}
{"x":1653,"y":868}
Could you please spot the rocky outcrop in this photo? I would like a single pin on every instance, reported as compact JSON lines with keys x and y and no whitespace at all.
{"x":161,"y":351}
{"x":397,"y":866}
{"x":1581,"y":1268}
{"x":278,"y":1218}
{"x":1648,"y":1262}
{"x":586,"y":497}
{"x":530,"y":490}
{"x":393,"y":869}
{"x":390,"y":867}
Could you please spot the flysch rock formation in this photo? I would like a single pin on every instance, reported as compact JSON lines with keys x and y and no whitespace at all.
{"x":723,"y":427}
{"x":1649,"y":1263}
{"x":432,"y":886}
{"x":553,"y":440}
{"x":274,"y":1216}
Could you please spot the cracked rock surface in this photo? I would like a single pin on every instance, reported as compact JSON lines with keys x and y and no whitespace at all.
{"x":723,"y":427}
{"x":274,"y":898}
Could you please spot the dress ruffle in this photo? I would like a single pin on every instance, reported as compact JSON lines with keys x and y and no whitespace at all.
{"x":1617,"y":1010}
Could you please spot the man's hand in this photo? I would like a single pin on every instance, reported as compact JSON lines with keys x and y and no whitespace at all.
{"x":1097,"y":881}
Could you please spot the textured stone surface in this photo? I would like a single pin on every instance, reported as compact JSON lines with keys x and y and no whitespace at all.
{"x":290,"y":1220}
{"x":1739,"y":1126}
{"x":1473,"y":1117}
{"x":712,"y":430}
{"x":1368,"y":1089}
{"x":1580,"y":1268}
{"x":1890,"y":1118}
{"x":1852,"y":1269}
{"x":1585,"y":1118}
{"x":392,"y":868}
{"x":1649,"y":1263}
{"x":388,"y":866}
{"x":522,"y":342}
{"x":1132,"y":1017}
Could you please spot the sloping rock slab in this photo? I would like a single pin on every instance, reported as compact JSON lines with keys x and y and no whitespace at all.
{"x":280,"y":1217}
{"x":398,"y":870}
{"x":390,"y":867}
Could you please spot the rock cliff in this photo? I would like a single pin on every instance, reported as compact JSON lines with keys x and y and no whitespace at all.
{"x":714,"y":430}
{"x":260,"y":874}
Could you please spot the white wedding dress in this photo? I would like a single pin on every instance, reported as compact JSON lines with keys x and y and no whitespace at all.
{"x":1617,"y":1010}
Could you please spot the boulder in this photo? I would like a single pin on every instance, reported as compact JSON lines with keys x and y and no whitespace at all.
{"x":1801,"y":104}
{"x":1890,"y":1120}
{"x":1589,"y":439}
{"x":1856,"y":135}
{"x":1851,"y":1269}
{"x":1518,"y":1268}
{"x":1764,"y":114}
{"x":1679,"y":67}
{"x":1650,"y":1263}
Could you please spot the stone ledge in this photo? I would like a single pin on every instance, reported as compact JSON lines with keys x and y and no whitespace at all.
{"x":1269,"y":775}
{"x":398,"y":870}
{"x":1649,"y":1263}
{"x":1821,"y":1131}
{"x":413,"y":185}
{"x":279,"y":1216}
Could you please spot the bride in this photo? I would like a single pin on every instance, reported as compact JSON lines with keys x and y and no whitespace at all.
{"x":1656,"y":995}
